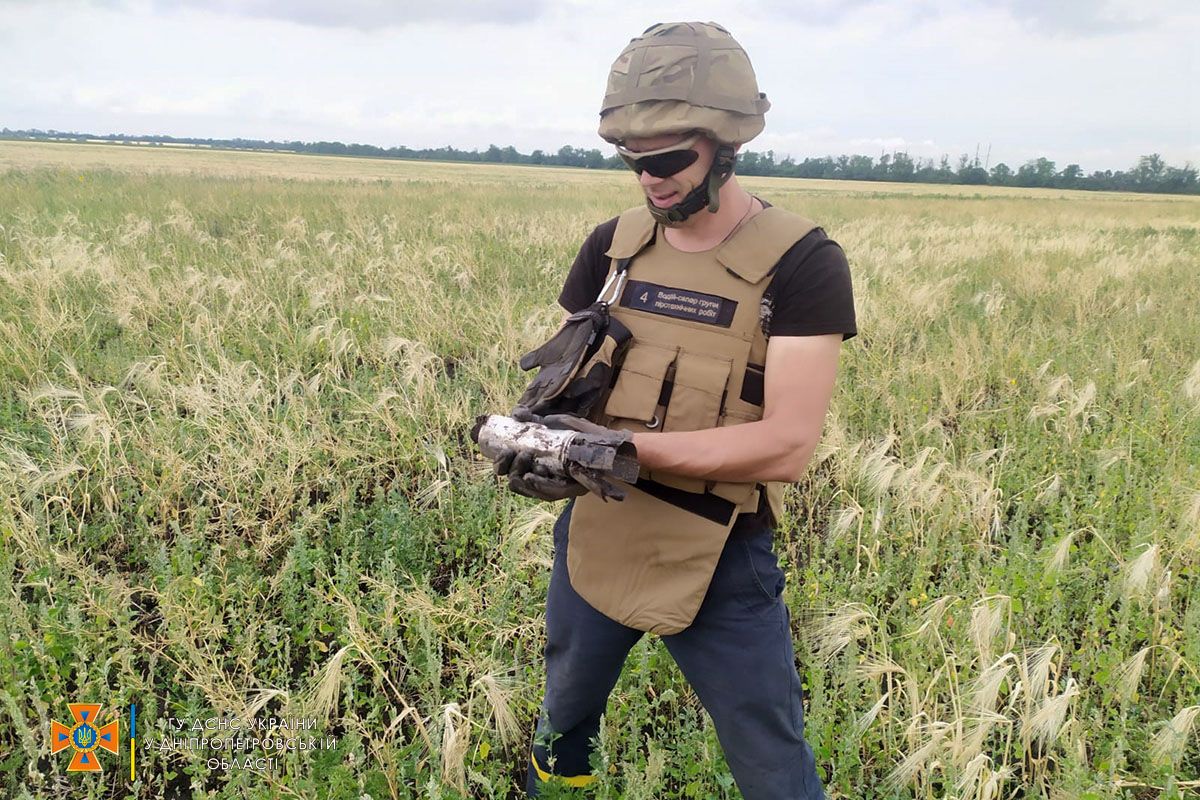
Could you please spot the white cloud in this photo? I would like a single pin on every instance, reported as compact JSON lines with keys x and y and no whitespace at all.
{"x":369,"y":15}
{"x":1098,"y":84}
{"x":1088,"y":17}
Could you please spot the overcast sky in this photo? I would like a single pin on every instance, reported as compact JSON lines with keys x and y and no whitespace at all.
{"x":1097,"y":83}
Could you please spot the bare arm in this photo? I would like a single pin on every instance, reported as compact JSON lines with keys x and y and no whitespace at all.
{"x":799,"y":381}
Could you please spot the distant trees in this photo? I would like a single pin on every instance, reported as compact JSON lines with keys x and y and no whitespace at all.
{"x":970,"y":173}
{"x":903,"y":168}
{"x":1149,"y":170}
{"x":1179,"y":180}
{"x":1039,"y":172}
{"x":1150,"y":174}
{"x":1070,"y":176}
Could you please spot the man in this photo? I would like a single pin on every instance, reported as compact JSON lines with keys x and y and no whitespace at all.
{"x":737,"y":312}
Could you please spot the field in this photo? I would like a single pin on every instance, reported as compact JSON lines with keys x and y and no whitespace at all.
{"x":235,"y":481}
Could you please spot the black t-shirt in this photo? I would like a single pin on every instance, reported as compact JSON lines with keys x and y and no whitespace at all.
{"x":809,"y":294}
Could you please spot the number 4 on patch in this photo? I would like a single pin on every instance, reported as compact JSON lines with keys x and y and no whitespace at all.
{"x":645,"y":298}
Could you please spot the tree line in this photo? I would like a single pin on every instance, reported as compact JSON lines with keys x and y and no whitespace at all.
{"x":1150,"y":174}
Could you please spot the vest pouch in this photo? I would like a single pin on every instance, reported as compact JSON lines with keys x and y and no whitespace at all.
{"x":634,"y":396}
{"x":699,"y":387}
{"x":744,"y":402}
{"x":733,"y":416}
{"x":743,"y":494}
{"x":740,"y":494}
{"x":683,"y":482}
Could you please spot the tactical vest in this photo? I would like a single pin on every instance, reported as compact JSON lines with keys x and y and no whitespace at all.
{"x":697,"y":360}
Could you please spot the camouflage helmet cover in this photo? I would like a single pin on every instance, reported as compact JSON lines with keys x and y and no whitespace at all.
{"x":683,"y":76}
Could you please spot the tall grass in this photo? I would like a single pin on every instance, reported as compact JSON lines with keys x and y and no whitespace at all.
{"x":235,"y":480}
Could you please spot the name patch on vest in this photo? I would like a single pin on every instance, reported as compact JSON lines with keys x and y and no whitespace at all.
{"x":710,"y":309}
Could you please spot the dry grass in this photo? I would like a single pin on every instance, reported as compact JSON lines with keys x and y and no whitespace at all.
{"x":234,"y":478}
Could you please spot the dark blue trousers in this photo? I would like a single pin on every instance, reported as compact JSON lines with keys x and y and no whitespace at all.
{"x":737,"y":655}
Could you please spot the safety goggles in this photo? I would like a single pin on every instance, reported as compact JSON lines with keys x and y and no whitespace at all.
{"x":663,"y":162}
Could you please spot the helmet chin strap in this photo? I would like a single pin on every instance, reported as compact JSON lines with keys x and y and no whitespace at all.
{"x":706,"y":193}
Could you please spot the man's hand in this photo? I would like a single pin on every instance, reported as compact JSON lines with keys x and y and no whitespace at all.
{"x":526,"y":477}
{"x":593,"y":480}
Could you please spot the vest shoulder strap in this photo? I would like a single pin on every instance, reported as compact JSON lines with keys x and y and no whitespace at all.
{"x":757,"y":247}
{"x":750,"y":254}
{"x":635,"y":229}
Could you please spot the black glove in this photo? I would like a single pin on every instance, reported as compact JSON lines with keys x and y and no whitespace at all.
{"x":559,"y":358}
{"x":585,"y":480}
{"x":526,"y":477}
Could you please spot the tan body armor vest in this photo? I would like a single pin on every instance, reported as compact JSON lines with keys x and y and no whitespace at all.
{"x":696,"y":361}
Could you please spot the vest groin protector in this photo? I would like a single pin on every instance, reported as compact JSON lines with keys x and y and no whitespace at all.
{"x":696,"y":360}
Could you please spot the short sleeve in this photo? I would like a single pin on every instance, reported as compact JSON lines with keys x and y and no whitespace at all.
{"x":586,"y":277}
{"x":811,"y":293}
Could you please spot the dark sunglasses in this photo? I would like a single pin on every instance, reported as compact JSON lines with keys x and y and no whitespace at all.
{"x":663,"y":162}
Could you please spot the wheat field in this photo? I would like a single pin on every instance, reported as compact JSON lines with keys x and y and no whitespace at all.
{"x":235,"y":481}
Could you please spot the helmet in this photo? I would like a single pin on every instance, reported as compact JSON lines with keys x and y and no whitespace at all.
{"x":683,"y":76}
{"x":679,"y":77}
